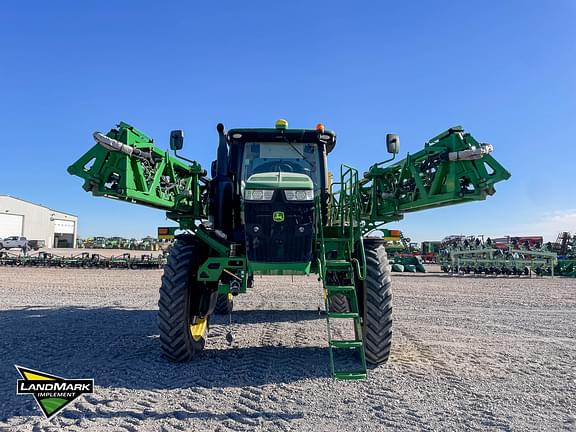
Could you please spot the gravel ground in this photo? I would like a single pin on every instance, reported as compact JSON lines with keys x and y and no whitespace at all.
{"x":468,"y":354}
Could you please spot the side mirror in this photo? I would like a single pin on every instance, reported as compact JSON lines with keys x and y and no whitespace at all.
{"x":393,"y":143}
{"x":176,"y":140}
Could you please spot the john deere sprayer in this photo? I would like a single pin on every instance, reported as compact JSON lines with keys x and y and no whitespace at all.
{"x":271,"y":206}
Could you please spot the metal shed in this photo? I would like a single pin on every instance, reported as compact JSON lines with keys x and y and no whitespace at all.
{"x":19,"y":217}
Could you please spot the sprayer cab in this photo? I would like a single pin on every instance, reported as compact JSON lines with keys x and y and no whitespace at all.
{"x":279,"y":149}
{"x":264,"y":186}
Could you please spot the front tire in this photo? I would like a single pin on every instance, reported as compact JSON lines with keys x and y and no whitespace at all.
{"x":183,"y":331}
{"x":224,"y":304}
{"x":376,"y":295}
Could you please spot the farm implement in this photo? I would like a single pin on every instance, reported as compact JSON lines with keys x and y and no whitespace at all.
{"x":82,"y":260}
{"x":565,"y":246}
{"x":477,"y":257}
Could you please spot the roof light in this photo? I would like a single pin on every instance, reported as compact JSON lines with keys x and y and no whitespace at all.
{"x":320,"y":127}
{"x":281,"y":124}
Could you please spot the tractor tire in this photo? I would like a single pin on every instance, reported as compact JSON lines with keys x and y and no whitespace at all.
{"x":224,"y":304}
{"x":339,"y":303}
{"x":375,"y":294}
{"x":182,"y":336}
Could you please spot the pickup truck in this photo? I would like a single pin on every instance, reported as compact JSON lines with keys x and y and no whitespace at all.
{"x":21,"y":243}
{"x":14,"y":242}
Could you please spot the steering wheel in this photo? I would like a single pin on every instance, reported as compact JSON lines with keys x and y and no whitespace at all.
{"x":274,"y":166}
{"x":289,"y":167}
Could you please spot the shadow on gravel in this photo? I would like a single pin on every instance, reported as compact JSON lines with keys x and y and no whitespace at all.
{"x":268,"y":315}
{"x":120,"y":348}
{"x":150,"y":414}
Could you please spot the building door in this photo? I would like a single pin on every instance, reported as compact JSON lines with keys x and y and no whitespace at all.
{"x":63,"y":233}
{"x":63,"y":226}
{"x":11,"y":225}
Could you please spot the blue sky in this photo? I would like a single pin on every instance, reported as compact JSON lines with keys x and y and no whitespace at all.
{"x":505,"y":70}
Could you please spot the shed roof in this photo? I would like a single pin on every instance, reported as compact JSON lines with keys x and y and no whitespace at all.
{"x":39,"y":205}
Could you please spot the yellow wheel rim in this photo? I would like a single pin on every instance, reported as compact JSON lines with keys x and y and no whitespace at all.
{"x":199,"y":329}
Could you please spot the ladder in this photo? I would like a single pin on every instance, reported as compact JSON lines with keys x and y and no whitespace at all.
{"x":339,"y":269}
{"x":344,"y":267}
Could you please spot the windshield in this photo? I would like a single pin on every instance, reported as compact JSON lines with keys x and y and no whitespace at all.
{"x":261,"y":157}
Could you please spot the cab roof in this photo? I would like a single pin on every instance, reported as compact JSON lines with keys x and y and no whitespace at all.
{"x":237,"y":136}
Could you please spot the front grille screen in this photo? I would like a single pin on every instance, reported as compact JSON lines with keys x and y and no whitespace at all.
{"x":273,"y":238}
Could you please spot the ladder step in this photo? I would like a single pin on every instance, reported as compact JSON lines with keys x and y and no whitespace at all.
{"x":353,"y":375}
{"x":346,"y":344}
{"x":340,"y":288}
{"x":337,"y":263}
{"x":343,"y":315}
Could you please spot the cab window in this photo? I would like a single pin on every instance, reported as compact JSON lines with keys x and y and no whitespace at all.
{"x":262,"y":157}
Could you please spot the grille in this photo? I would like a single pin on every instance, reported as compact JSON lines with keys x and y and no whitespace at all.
{"x":286,"y":241}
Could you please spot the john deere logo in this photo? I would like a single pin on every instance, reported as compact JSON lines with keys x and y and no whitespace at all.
{"x":278,"y":216}
{"x":52,"y":393}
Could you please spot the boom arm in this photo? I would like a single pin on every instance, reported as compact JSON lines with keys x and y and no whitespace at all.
{"x":125,"y":164}
{"x":452,"y":168}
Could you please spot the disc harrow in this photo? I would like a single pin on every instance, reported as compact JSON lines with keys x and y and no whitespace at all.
{"x":485,"y":258}
{"x":83,"y":260}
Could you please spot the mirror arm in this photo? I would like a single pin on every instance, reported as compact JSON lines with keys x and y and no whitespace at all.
{"x":182,"y":157}
{"x":376,"y":165}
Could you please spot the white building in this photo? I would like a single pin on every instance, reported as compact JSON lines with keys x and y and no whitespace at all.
{"x":36,"y":222}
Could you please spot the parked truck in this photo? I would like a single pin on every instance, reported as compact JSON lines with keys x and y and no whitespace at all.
{"x":18,"y":242}
{"x":14,"y":242}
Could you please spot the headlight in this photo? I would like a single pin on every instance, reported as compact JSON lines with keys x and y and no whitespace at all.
{"x":258,"y":194}
{"x":299,"y":195}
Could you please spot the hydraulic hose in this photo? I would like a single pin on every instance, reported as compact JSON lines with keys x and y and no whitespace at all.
{"x":115,"y":145}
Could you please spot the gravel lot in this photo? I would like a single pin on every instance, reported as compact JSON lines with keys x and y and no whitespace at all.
{"x":468,"y":354}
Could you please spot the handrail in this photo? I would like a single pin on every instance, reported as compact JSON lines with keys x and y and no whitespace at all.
{"x":322,"y":258}
{"x":348,"y":213}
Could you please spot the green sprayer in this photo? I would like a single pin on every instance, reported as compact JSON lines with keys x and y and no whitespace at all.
{"x":270,"y":206}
